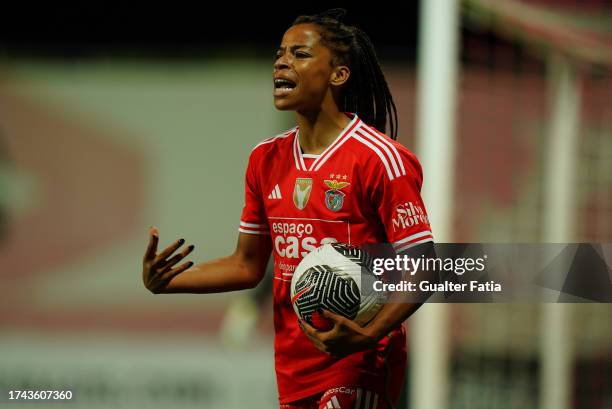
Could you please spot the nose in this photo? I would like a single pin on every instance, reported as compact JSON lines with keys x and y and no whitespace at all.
{"x":281,"y":63}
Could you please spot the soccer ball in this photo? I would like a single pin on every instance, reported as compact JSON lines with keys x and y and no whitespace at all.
{"x":338,"y":278}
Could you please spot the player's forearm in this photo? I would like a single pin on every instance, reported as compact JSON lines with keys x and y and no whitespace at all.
{"x":220,"y":275}
{"x":389,"y":317}
{"x":401,"y":305}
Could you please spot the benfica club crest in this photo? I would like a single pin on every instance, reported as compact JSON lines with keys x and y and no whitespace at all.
{"x":334,"y":197}
{"x":301,"y":192}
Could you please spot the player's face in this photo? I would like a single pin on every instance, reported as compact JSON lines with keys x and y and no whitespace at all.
{"x":302,"y":70}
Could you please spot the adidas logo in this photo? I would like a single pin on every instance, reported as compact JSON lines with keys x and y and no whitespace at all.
{"x":276,"y":194}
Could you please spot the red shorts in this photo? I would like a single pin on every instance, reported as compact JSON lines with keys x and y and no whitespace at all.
{"x":344,"y":398}
{"x":379,"y":390}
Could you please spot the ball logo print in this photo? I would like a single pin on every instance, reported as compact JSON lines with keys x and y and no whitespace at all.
{"x":338,"y":278}
{"x":322,"y":287}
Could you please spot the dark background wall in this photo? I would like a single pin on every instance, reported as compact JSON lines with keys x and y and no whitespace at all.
{"x":179,"y":31}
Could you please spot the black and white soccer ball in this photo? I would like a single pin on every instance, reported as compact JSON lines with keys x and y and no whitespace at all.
{"x":335,"y":277}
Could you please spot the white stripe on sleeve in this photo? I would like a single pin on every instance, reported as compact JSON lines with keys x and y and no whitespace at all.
{"x":412,"y":237}
{"x":245,"y":224}
{"x":272,"y":139}
{"x":378,"y":152}
{"x":375,"y":132}
{"x":371,"y":138}
{"x":410,"y":245}
{"x":262,"y":232}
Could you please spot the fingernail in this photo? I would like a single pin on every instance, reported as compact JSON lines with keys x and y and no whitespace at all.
{"x":181,"y":241}
{"x":320,"y":310}
{"x":190,"y":263}
{"x":191,"y":247}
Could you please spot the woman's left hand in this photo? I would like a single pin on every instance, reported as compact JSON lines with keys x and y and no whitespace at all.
{"x":345,"y":338}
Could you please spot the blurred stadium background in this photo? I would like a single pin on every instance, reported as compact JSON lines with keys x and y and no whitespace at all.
{"x":111,"y":121}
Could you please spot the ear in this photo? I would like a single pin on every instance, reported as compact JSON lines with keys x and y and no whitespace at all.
{"x":340,"y":75}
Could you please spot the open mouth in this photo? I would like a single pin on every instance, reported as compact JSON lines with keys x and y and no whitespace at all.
{"x":282,"y":84}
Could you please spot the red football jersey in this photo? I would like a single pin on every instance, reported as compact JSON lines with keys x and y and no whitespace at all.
{"x":364,"y":188}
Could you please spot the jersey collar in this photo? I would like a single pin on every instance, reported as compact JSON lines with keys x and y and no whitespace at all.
{"x":329,"y":151}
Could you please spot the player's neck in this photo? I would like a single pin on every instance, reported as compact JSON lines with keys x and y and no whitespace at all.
{"x":319,"y":129}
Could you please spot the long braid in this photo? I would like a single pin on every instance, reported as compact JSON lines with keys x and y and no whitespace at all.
{"x":366,"y":92}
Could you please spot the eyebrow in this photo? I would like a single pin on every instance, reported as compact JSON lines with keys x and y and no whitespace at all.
{"x":294,"y":47}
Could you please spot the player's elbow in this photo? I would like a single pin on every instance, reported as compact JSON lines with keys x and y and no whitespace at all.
{"x":251,"y":284}
{"x":252,"y":272}
{"x":253,"y":279}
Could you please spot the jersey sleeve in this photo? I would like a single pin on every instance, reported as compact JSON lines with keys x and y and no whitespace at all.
{"x":253,"y":219}
{"x":397,"y":197}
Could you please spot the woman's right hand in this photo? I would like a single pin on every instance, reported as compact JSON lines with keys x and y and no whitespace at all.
{"x":158,"y":269}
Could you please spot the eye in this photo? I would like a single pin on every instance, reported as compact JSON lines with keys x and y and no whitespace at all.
{"x":301,"y":54}
{"x":277,"y":55}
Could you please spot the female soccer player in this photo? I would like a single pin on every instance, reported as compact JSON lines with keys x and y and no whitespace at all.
{"x":334,"y":178}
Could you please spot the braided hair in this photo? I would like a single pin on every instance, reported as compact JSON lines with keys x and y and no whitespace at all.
{"x":366,"y":92}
